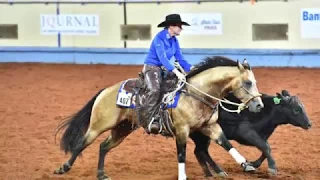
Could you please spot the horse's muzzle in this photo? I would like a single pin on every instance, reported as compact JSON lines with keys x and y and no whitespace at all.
{"x":259,"y":107}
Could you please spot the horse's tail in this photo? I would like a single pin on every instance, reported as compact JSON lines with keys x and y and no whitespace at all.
{"x":77,"y":126}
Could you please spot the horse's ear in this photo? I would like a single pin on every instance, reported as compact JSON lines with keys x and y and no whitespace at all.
{"x":246,"y":64}
{"x":240,"y":66}
{"x":285,"y":93}
{"x":245,"y":61}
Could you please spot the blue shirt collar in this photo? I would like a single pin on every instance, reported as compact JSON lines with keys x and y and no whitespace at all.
{"x":166,"y":34}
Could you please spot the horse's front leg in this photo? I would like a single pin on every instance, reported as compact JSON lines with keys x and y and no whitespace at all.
{"x":216,"y":134}
{"x":182,"y":134}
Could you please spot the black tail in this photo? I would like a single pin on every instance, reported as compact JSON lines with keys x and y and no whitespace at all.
{"x":77,"y":125}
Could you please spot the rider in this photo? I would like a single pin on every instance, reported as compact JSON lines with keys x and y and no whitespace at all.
{"x":164,"y":46}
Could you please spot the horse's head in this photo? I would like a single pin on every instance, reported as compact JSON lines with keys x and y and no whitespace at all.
{"x":293,"y":110}
{"x":220,"y":75}
{"x":244,"y":87}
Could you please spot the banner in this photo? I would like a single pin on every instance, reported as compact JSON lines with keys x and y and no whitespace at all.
{"x":310,"y":23}
{"x":69,"y":24}
{"x":202,"y":23}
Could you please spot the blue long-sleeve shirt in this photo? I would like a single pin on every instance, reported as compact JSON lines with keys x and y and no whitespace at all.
{"x":162,"y":49}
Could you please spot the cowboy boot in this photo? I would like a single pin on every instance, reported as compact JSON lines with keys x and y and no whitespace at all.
{"x":152,"y":112}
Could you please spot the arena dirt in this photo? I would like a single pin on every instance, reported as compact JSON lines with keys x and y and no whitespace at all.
{"x":35,"y":97}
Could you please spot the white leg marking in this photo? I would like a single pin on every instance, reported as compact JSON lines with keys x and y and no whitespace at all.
{"x":182,"y":171}
{"x":237,"y":156}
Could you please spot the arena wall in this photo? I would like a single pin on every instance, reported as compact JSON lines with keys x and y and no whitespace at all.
{"x":237,"y":20}
{"x":235,"y":41}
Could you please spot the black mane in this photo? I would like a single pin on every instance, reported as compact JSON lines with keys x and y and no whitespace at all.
{"x":211,"y":62}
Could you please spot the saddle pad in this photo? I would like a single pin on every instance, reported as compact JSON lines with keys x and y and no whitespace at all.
{"x":126,"y":99}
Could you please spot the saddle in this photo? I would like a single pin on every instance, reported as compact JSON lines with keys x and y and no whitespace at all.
{"x":168,"y":84}
{"x":138,"y":88}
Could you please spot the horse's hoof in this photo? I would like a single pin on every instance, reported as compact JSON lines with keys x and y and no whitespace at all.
{"x":272,"y":172}
{"x":222,"y":174}
{"x":103,"y":177}
{"x":248,"y":168}
{"x":62,"y":169}
{"x":59,"y":171}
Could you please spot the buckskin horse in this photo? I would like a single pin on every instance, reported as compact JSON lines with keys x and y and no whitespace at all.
{"x":110,"y":109}
{"x":253,"y":129}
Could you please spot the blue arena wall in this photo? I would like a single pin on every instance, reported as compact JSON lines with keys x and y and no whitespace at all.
{"x":135,"y":56}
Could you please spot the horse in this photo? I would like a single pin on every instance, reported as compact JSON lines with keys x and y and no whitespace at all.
{"x":254,"y":129}
{"x":112,"y":109}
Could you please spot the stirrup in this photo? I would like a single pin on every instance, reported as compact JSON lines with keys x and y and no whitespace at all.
{"x":150,"y":123}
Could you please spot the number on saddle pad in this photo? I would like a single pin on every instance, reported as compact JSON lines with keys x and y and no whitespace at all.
{"x":124,"y":99}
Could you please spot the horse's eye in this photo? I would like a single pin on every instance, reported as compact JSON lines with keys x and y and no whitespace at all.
{"x":248,"y":83}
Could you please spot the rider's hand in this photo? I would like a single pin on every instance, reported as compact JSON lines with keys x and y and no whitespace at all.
{"x":179,"y":75}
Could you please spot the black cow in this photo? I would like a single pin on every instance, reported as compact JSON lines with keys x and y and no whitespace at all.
{"x":253,"y":129}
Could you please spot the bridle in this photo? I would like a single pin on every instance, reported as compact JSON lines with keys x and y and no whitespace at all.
{"x":241,"y":106}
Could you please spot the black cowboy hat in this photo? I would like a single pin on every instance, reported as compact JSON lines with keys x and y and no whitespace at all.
{"x":172,"y":19}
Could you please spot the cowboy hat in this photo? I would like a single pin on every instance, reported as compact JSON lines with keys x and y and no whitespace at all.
{"x":172,"y":19}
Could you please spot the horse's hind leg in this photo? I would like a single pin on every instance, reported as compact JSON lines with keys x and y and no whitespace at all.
{"x":118,"y":134}
{"x":217,"y":169}
{"x":202,"y":144}
{"x":99,"y":124}
{"x":88,"y":139}
{"x":202,"y":162}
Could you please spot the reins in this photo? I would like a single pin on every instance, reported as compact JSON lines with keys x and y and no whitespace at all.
{"x":169,"y":98}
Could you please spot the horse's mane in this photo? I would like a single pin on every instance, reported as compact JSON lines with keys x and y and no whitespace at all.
{"x":211,"y":62}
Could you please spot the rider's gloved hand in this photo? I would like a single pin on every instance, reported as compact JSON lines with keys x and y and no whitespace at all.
{"x":179,"y":74}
